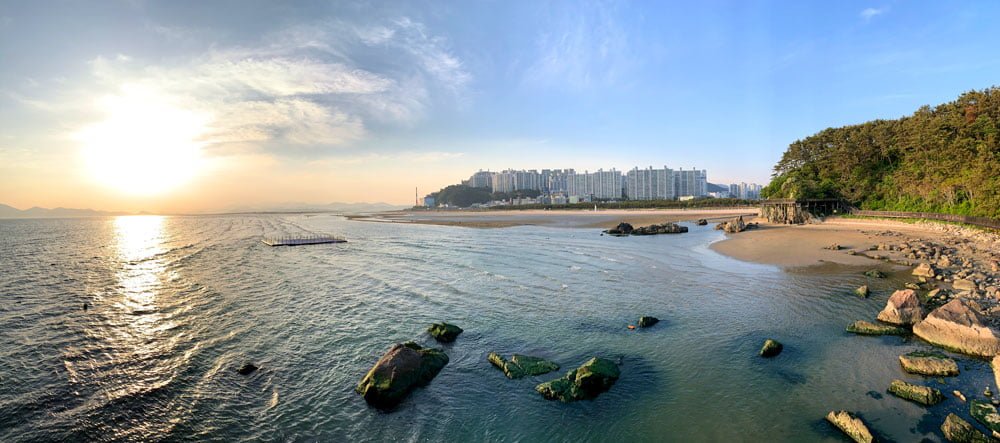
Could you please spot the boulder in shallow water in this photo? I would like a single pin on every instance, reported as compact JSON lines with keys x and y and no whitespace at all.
{"x":521,"y":365}
{"x":702,"y":222}
{"x":444,"y":332}
{"x":921,"y":394}
{"x":868,"y":328}
{"x":902,"y":309}
{"x":875,"y":273}
{"x":647,"y":321}
{"x":928,"y":363}
{"x":986,"y":414}
{"x":771,"y":348}
{"x":925,"y":270}
{"x":403,"y":368}
{"x":588,"y":381}
{"x":247,"y":368}
{"x":959,"y":326}
{"x":862,"y":291}
{"x":622,"y":229}
{"x":850,"y":425}
{"x":957,"y":430}
{"x":995,"y":364}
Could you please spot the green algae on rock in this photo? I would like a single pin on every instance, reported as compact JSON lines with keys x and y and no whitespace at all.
{"x":403,"y":368}
{"x":928,"y":363}
{"x":921,"y":394}
{"x":986,"y":414}
{"x":444,"y":332}
{"x":862,"y":327}
{"x":588,"y":381}
{"x":522,"y":365}
{"x":957,"y":430}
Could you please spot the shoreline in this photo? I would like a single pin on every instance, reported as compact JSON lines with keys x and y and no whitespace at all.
{"x":558,"y":218}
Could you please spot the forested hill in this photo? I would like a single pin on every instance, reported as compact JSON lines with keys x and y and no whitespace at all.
{"x":942,"y":159}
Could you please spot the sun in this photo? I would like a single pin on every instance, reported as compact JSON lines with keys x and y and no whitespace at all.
{"x":146,"y":145}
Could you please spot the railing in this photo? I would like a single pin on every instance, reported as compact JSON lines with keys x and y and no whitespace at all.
{"x":969,"y":220}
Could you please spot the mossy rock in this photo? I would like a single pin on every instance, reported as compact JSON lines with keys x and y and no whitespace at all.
{"x":403,"y":368}
{"x":875,"y":273}
{"x":444,"y":332}
{"x":868,"y":328}
{"x":928,"y":363}
{"x":921,"y":394}
{"x":771,"y":348}
{"x":850,"y":425}
{"x":592,"y":378}
{"x":986,"y":414}
{"x":522,"y":365}
{"x":862,"y":291}
{"x":957,"y":430}
{"x":646,"y":321}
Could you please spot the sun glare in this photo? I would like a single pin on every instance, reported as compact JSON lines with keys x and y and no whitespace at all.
{"x":146,"y":145}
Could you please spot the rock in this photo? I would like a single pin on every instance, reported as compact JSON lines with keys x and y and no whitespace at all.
{"x":987,"y":392}
{"x":622,"y":229}
{"x":852,"y":252}
{"x":986,"y":414}
{"x":928,"y":363}
{"x":867,"y":328}
{"x":702,"y":222}
{"x":963,"y":285}
{"x":850,"y":425}
{"x":588,"y":381}
{"x":403,"y":368}
{"x":925,"y":270}
{"x":646,"y":321}
{"x":911,"y":285}
{"x":902,"y":309}
{"x":862,"y":291}
{"x":522,"y":365}
{"x":875,"y":273}
{"x":734,"y":226}
{"x":959,"y":326}
{"x":920,"y":394}
{"x":834,"y":247}
{"x":944,"y":262}
{"x":665,"y":228}
{"x":771,"y":348}
{"x":247,"y":368}
{"x":995,"y":364}
{"x":960,"y":431}
{"x":958,"y":394}
{"x":444,"y":332}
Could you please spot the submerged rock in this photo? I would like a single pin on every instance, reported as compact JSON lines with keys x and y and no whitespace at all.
{"x":986,"y":414}
{"x":403,"y":368}
{"x":928,"y":363}
{"x":247,"y":368}
{"x":702,"y":222}
{"x":960,"y":431}
{"x":925,"y":270}
{"x":920,"y":394}
{"x":875,"y":273}
{"x":862,"y":291}
{"x":868,"y":328}
{"x":522,"y":365}
{"x":771,"y":348}
{"x":850,"y":425}
{"x":588,"y":381}
{"x":646,"y":321}
{"x":902,"y":309}
{"x":444,"y":332}
{"x":959,"y":326}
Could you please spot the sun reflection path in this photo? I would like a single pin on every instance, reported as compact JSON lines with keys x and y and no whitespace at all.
{"x":140,"y":242}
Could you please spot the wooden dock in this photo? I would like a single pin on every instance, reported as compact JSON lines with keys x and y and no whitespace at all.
{"x":299,"y":240}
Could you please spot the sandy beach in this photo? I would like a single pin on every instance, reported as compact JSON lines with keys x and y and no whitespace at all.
{"x":602,"y":219}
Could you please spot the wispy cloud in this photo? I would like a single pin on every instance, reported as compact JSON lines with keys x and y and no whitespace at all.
{"x":869,"y":13}
{"x":299,"y":88}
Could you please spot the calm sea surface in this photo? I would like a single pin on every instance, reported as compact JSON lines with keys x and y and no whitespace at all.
{"x":177,"y":304}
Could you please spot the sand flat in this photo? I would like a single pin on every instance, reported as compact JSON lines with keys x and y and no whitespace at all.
{"x":602,"y":219}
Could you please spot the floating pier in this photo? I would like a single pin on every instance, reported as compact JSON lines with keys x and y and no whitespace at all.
{"x":299,"y":240}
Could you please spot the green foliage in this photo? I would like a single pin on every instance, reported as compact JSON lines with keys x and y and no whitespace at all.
{"x":944,"y":159}
{"x":461,"y":196}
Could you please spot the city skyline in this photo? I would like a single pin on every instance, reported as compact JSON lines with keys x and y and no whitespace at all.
{"x":187,"y":107}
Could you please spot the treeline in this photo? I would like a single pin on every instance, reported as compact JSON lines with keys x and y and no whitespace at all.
{"x":464,"y":196}
{"x":944,"y":159}
{"x":643,"y":204}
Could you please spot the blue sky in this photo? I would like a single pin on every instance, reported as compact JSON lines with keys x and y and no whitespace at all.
{"x":323,"y":101}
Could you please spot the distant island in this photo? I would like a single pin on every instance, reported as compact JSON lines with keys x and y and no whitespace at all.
{"x":944,"y":159}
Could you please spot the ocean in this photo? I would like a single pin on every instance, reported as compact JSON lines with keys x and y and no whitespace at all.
{"x":174,"y":305}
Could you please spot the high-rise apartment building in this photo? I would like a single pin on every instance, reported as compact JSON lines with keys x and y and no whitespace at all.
{"x":650,"y":184}
{"x":693,"y":183}
{"x":604,"y":185}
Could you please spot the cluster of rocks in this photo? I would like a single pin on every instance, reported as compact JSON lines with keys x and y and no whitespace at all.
{"x":736,"y":225}
{"x":624,"y":229}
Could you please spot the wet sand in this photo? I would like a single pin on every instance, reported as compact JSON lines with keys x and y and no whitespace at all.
{"x":602,"y":219}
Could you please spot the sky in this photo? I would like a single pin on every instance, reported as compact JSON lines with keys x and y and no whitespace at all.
{"x":180,"y":106}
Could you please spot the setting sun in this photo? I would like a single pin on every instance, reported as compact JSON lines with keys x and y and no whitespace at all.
{"x":146,"y":145}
